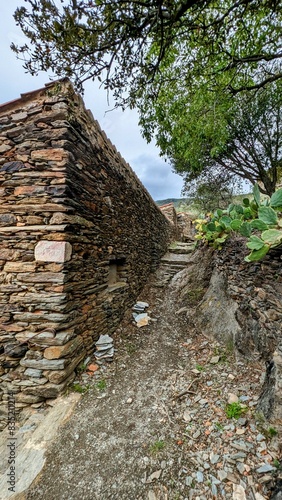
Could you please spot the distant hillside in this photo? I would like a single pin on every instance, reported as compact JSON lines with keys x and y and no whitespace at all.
{"x":183,"y":204}
{"x":175,"y":201}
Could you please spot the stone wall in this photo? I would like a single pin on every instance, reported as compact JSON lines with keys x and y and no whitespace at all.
{"x":185,"y":226}
{"x":79,"y":235}
{"x":169,"y":211}
{"x":243,"y":304}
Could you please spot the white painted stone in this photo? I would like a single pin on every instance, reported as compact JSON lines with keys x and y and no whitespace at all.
{"x":53,"y":251}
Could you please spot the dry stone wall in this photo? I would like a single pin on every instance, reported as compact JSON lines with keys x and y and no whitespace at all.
{"x":169,"y":211}
{"x":79,"y":235}
{"x":243,"y":304}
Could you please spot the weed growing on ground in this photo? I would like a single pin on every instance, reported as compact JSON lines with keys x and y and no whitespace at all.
{"x":81,"y":389}
{"x":277,"y":464}
{"x":177,"y":496}
{"x":271,"y":432}
{"x":130,"y":348}
{"x":101,"y":385}
{"x":157,"y":446}
{"x":235,"y":410}
{"x":200,"y":368}
{"x":218,"y":426}
{"x":260,"y":418}
{"x":195,"y":295}
{"x":81,"y":368}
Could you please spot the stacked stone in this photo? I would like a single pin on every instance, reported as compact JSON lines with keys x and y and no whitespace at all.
{"x":70,"y":206}
{"x":170,"y":213}
{"x":33,"y":252}
{"x":257,"y":288}
{"x":185,"y":226}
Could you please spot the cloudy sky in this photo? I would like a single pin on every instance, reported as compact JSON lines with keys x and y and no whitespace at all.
{"x":121,"y":127}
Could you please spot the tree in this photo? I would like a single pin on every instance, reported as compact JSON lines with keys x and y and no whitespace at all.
{"x":186,"y":65}
{"x":208,"y":131}
{"x":254,"y":146}
{"x":128,"y":44}
{"x":212,"y":189}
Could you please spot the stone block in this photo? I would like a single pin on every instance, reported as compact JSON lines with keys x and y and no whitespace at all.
{"x":44,"y":364}
{"x":49,"y":390}
{"x":31,"y":382}
{"x":39,"y":316}
{"x":53,"y":251}
{"x":33,"y":220}
{"x":52,"y":154}
{"x":56,"y":377}
{"x":56,"y":352}
{"x":28,"y":398}
{"x":19,"y":267}
{"x":19,"y":116}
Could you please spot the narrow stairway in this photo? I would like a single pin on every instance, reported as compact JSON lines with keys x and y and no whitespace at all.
{"x":176,"y":258}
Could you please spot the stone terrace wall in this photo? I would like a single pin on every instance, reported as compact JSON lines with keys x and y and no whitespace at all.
{"x":170,"y":213}
{"x":79,"y":235}
{"x":244,"y":304}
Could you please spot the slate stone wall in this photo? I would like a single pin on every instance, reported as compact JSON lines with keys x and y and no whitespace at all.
{"x":79,"y":236}
{"x":243,"y":304}
{"x":169,"y":211}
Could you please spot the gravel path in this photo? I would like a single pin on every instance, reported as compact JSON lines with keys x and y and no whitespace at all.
{"x":153,"y":424}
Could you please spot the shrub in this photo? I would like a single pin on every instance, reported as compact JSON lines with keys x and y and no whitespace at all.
{"x":255,"y":216}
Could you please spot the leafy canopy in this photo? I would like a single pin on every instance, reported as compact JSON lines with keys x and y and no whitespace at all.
{"x":208,"y":131}
{"x":186,"y":64}
{"x":129,"y":45}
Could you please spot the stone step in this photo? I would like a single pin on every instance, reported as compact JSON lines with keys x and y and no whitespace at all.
{"x":179,"y":247}
{"x":174,"y":258}
{"x":175,"y":267}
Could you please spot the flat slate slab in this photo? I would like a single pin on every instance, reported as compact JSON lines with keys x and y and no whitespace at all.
{"x":180,"y":247}
{"x":172,"y":258}
{"x":32,"y":440}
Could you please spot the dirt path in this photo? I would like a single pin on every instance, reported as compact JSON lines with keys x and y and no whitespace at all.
{"x":158,"y":430}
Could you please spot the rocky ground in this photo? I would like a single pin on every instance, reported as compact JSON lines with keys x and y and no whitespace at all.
{"x":155,"y":423}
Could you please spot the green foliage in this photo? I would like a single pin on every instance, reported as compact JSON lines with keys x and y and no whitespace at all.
{"x":81,"y":368}
{"x":187,"y":66}
{"x":101,"y":385}
{"x":235,"y":410}
{"x":271,"y":432}
{"x":202,"y":131}
{"x":200,"y":368}
{"x":133,"y":45}
{"x":157,"y":446}
{"x":81,"y":389}
{"x":253,"y":215}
